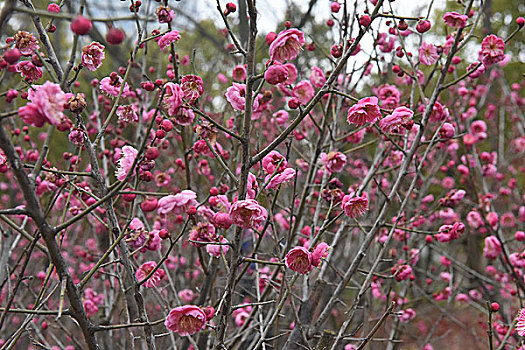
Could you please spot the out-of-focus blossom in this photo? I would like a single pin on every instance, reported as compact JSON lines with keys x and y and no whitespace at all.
{"x":455,"y":20}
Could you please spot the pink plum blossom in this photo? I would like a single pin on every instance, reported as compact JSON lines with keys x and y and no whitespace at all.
{"x":236,"y":96}
{"x":333,"y":161}
{"x":299,"y":259}
{"x":168,"y":38}
{"x":303,"y":91}
{"x":178,"y":203}
{"x":366,"y":110}
{"x":455,"y":20}
{"x":287,"y":45}
{"x":274,"y":161}
{"x":47,"y":104}
{"x":428,"y":54}
{"x":216,"y":250}
{"x":248,"y":213}
{"x":92,"y":56}
{"x":283,"y":177}
{"x":400,"y":117}
{"x":186,"y":320}
{"x":492,"y":247}
{"x":192,"y":87}
{"x":172,"y":99}
{"x":125,"y":162}
{"x":492,"y":50}
{"x":145,"y":269}
{"x":355,"y":205}
{"x":317,"y":77}
{"x":319,"y":253}
{"x":26,"y":43}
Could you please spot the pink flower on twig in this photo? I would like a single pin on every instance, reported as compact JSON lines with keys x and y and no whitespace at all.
{"x":366,"y":110}
{"x":186,"y":320}
{"x":287,"y":45}
{"x":92,"y":56}
{"x":168,"y":38}
{"x":125,"y":162}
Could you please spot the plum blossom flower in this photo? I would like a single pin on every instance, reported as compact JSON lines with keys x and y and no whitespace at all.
{"x":517,"y":259}
{"x":492,"y":247}
{"x":217,"y":250}
{"x":492,"y":50}
{"x":145,"y":269}
{"x":165,"y":14}
{"x":355,"y":206}
{"x":92,"y":56}
{"x":317,"y":77}
{"x":475,"y":70}
{"x":168,"y":38}
{"x":474,"y":219}
{"x":239,"y":73}
{"x":389,"y":95}
{"x":184,"y":116}
{"x":366,"y":110}
{"x":292,"y":73}
{"x":428,"y":54}
{"x":29,"y":71}
{"x":26,"y":43}
{"x":111,"y":86}
{"x":186,"y":320}
{"x":283,"y":177}
{"x":448,"y":233}
{"x":276,"y":74}
{"x":287,"y":45}
{"x":178,"y":203}
{"x":406,"y":315}
{"x":203,"y":232}
{"x":401,"y":272}
{"x":248,"y":213}
{"x":299,"y":259}
{"x":127,"y":114}
{"x":453,"y":198}
{"x":401,"y":116}
{"x":455,"y":20}
{"x":172,"y":97}
{"x":272,"y":160}
{"x":90,"y":307}
{"x":125,"y":162}
{"x":320,"y":252}
{"x":236,"y":96}
{"x":303,"y":91}
{"x":333,"y":161}
{"x":47,"y":104}
{"x":186,"y":295}
{"x":192,"y":87}
{"x":439,"y":113}
{"x":251,"y":187}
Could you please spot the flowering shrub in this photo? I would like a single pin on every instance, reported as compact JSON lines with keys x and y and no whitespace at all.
{"x":258,"y":189}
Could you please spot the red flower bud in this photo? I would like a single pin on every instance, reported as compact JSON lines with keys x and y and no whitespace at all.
{"x":12,"y":55}
{"x":81,"y":25}
{"x":115,"y":36}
